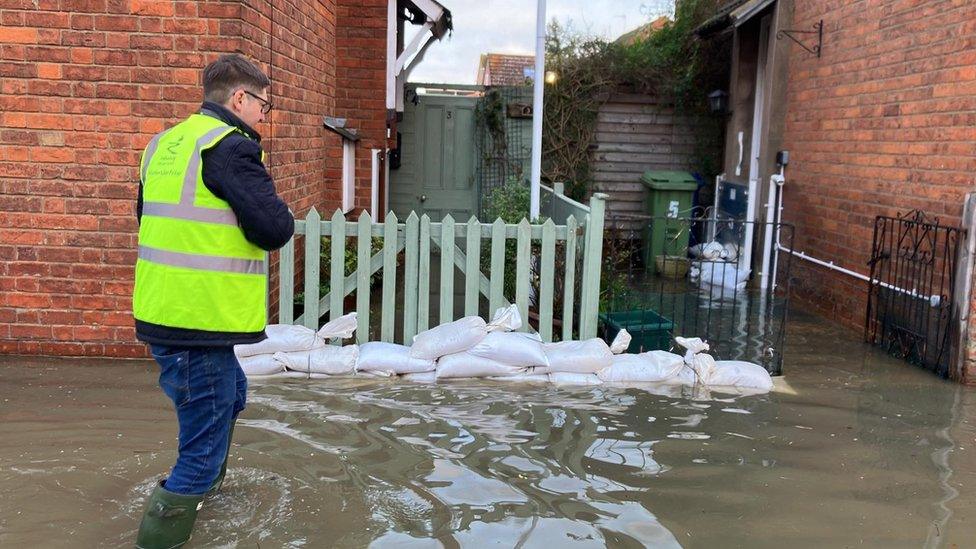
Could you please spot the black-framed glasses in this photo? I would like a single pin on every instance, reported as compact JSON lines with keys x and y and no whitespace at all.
{"x":266,"y":105}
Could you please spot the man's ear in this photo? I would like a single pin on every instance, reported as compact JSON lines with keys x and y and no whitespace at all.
{"x":236,"y":98}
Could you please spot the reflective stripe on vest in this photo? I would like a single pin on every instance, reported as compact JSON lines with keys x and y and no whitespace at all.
{"x":203,"y":262}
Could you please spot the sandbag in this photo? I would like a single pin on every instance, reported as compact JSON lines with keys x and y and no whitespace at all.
{"x":460,"y":365}
{"x":340,"y":328}
{"x":566,"y":378}
{"x":463,"y":334}
{"x":739,"y":374}
{"x":390,"y":359}
{"x":284,"y":338}
{"x":695,"y":356}
{"x":331,"y":359}
{"x":579,"y":357}
{"x":621,"y":342}
{"x":512,"y":348}
{"x":722,"y":275}
{"x":260,"y":365}
{"x":421,"y":377}
{"x":653,"y":366}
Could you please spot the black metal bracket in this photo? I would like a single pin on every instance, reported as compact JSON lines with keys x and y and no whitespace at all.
{"x":818,"y":30}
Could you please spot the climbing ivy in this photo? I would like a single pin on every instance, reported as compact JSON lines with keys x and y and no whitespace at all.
{"x":671,"y":63}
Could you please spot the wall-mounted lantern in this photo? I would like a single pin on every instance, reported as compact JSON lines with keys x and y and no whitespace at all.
{"x":718,"y":102}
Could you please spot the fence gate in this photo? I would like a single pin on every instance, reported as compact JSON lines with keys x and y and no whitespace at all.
{"x":384,"y":252}
{"x":910,"y":294}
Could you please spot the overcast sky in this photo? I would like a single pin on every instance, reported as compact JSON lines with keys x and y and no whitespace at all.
{"x":508,"y":26}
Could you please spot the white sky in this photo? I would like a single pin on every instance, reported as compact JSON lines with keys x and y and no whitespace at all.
{"x":508,"y":26}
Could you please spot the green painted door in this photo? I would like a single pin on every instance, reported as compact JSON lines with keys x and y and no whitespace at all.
{"x":437,"y":159}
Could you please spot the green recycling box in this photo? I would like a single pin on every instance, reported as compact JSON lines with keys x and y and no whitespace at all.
{"x":649,"y":331}
{"x":669,"y":195}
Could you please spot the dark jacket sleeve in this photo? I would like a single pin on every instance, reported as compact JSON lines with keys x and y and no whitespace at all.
{"x":233,"y":171}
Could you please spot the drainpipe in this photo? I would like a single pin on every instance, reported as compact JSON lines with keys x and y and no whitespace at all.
{"x":775,"y":181}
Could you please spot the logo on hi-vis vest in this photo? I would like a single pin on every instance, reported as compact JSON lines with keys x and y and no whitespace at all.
{"x":164,"y":163}
{"x":171,"y":147}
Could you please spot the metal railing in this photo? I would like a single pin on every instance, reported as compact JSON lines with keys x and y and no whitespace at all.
{"x":555,"y":205}
{"x":691,"y":277}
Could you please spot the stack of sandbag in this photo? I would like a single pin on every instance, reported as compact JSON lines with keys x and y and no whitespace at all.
{"x":297,"y":348}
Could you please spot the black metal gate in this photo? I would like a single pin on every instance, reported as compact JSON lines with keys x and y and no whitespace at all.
{"x":666,"y":277}
{"x":910,"y":294}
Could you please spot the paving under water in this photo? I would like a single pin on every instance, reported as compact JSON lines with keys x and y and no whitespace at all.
{"x":853,"y":449}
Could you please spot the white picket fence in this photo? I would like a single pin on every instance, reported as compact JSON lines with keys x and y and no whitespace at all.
{"x":416,"y":239}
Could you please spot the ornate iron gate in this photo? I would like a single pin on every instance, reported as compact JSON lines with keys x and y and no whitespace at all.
{"x":910,"y":294}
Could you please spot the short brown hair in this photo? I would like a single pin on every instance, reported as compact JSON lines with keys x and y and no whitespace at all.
{"x":228,"y":73}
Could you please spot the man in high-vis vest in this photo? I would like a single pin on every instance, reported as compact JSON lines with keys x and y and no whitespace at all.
{"x":208,"y":213}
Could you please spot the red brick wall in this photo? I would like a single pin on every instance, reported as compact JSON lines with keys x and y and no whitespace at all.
{"x":83,"y":87}
{"x":883,"y":123}
{"x":361,"y":90}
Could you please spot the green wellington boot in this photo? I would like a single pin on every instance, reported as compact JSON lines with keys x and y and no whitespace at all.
{"x":168,"y":520}
{"x":219,"y":481}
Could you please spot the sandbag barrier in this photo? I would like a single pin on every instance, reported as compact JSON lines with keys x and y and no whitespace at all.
{"x":472,"y":348}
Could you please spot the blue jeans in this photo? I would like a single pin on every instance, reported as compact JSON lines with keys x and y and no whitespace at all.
{"x":208,"y":390}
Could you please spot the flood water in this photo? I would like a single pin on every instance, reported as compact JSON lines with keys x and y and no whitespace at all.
{"x":853,"y":449}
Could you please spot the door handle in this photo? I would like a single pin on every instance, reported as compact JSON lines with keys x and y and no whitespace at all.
{"x":423,"y":198}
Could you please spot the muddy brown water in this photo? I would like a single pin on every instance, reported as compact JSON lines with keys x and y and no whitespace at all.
{"x":855,"y":449}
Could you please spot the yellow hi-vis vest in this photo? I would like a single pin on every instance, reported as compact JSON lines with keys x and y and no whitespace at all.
{"x":195,"y":268}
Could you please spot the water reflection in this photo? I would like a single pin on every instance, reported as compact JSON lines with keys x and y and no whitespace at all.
{"x":861,"y":450}
{"x":457,"y":464}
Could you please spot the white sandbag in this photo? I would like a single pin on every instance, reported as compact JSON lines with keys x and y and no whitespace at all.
{"x":739,"y":374}
{"x":653,"y":366}
{"x":463,"y":334}
{"x":421,"y":377}
{"x":340,"y":328}
{"x":695,"y":356}
{"x":579,"y":357}
{"x":390,"y":359}
{"x":711,"y":251}
{"x":621,"y":342}
{"x":331,"y":359}
{"x":512,"y":348}
{"x":282,"y":338}
{"x":723,"y":275}
{"x":567,"y":378}
{"x":260,"y":365}
{"x":461,"y":365}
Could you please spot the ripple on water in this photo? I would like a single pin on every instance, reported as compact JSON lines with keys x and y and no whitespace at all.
{"x":253,"y":504}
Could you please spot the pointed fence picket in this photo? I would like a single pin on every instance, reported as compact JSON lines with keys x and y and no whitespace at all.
{"x":411,"y":243}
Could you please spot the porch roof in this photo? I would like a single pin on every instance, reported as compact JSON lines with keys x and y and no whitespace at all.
{"x":732,"y":13}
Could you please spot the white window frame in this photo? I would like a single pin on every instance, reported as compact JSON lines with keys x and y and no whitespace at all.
{"x":348,"y":175}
